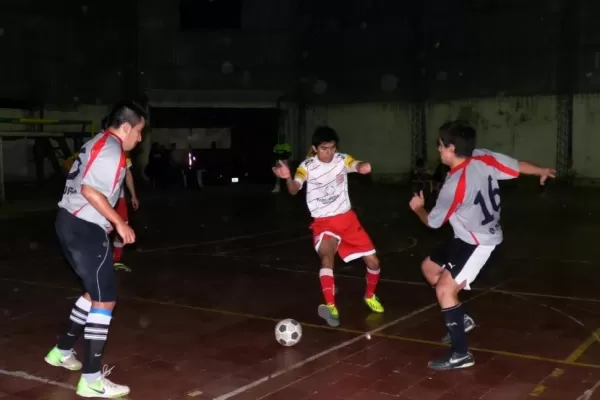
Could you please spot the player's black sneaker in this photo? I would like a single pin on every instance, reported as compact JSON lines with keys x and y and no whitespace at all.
{"x":452,"y":361}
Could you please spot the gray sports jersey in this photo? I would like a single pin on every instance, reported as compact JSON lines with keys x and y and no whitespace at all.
{"x":470,"y":197}
{"x":101,"y":165}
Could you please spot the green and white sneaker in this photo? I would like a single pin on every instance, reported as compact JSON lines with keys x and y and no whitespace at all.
{"x":120,"y":266}
{"x":101,"y":387}
{"x":56,"y":359}
{"x":330,"y":314}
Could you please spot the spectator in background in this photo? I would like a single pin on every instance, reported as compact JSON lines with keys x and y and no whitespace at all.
{"x":283,"y":152}
{"x":156,"y":163}
{"x":439,"y":175}
{"x":421,"y":178}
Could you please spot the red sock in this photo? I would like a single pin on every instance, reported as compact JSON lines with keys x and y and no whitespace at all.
{"x":372,"y":279}
{"x":327,"y":285}
{"x":117,"y":252}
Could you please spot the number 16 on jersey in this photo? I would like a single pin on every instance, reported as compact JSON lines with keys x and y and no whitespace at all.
{"x":493,"y":198}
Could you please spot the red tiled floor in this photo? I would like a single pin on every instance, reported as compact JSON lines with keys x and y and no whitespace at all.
{"x":192,"y":324}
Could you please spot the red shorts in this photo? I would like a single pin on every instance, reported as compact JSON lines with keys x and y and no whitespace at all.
{"x":353,"y":241}
{"x":121,"y":209}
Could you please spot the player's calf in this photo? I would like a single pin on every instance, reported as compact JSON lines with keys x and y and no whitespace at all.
{"x":328,"y":311}
{"x":327,"y":285}
{"x":469,"y":324}
{"x":372,"y":278}
{"x":454,"y":317}
{"x":62,"y":355}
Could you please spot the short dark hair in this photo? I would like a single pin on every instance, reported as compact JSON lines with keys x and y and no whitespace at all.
{"x":461,"y":134}
{"x":125,"y":112}
{"x":324,"y":134}
{"x":104,"y":123}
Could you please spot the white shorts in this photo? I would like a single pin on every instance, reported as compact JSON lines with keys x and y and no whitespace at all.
{"x":463,"y":260}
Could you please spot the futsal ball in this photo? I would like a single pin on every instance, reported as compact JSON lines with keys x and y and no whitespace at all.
{"x":288,"y":332}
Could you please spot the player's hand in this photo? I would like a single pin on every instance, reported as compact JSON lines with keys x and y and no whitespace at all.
{"x":417,"y":202}
{"x":126,"y":233}
{"x":547,"y":173}
{"x":282,"y":171}
{"x":135,"y":203}
{"x":364,"y":168}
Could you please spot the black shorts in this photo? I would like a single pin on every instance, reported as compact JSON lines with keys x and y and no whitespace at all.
{"x":461,"y":259}
{"x":88,"y":250}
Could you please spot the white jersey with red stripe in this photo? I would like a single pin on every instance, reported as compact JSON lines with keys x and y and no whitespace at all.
{"x":470,"y":197}
{"x":326,"y":184}
{"x":101,"y":165}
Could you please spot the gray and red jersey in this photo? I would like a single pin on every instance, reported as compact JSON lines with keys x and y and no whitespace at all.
{"x":470,"y":197}
{"x":101,"y":165}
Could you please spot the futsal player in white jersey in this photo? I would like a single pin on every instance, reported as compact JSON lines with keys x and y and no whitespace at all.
{"x":336,"y":227}
{"x":470,"y":201}
{"x":85,"y":218}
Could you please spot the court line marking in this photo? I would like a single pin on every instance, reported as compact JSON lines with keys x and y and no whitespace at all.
{"x":325,"y":327}
{"x":323,"y":353}
{"x":216,"y":241}
{"x":271,"y":244}
{"x":396,"y":281}
{"x":358,"y":332}
{"x":29,"y":377}
{"x":552,"y":260}
{"x":587,"y":395}
{"x":291,"y":240}
{"x":583,"y":347}
{"x":247,"y":236}
{"x":418,"y":283}
{"x":540,"y":388}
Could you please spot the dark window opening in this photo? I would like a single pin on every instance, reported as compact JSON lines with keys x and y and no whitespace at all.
{"x":209,"y":15}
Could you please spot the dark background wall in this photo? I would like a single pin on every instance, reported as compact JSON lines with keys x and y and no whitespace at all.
{"x":96,"y":51}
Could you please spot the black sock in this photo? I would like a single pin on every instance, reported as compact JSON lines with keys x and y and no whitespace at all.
{"x":77,"y":320}
{"x":95,"y":334}
{"x":454,"y":318}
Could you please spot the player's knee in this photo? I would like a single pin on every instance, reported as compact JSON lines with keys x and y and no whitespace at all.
{"x":443,"y":291}
{"x":430,"y":270}
{"x":372,"y":262}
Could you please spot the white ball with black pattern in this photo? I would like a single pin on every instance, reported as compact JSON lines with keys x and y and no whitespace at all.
{"x":288,"y":332}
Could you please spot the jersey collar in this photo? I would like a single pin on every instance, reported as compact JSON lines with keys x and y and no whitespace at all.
{"x":460,"y":166}
{"x":111,"y":133}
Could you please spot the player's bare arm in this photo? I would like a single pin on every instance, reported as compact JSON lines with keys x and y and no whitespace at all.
{"x":532,"y":169}
{"x":293,"y":186}
{"x":363,"y":168}
{"x":131,"y":187}
{"x":417,"y":204}
{"x":282,"y":171}
{"x":100,"y":203}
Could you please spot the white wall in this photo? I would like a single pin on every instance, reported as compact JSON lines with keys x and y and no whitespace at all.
{"x":522,"y":127}
{"x":374,"y":132}
{"x":586,"y":137}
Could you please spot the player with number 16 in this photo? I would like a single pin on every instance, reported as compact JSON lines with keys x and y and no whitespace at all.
{"x":470,"y":201}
